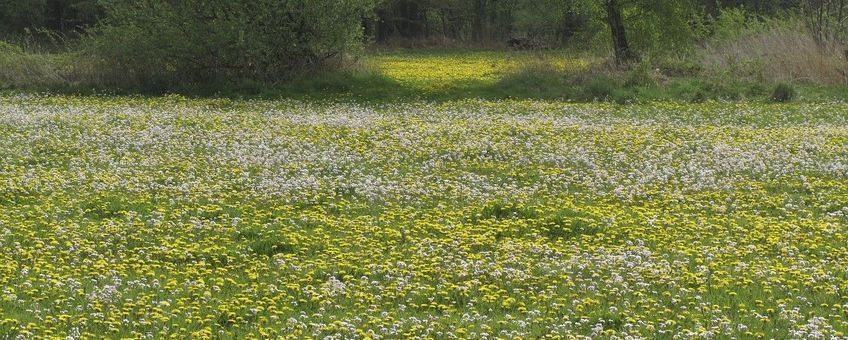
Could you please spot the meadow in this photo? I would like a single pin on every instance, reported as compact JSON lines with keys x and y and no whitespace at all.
{"x":216,"y":218}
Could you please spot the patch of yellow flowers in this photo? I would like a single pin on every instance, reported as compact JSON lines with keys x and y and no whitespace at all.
{"x":425,"y":71}
{"x":178,"y":218}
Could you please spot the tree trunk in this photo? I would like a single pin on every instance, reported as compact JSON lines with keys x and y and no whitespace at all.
{"x":477,"y":26}
{"x":415,"y":24}
{"x":623,"y":53}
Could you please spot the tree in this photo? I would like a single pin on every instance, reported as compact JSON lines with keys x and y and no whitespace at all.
{"x":479,"y":17}
{"x":405,"y":19}
{"x":641,"y":27}
{"x":827,"y":20}
{"x":460,"y":20}
{"x":623,"y":53}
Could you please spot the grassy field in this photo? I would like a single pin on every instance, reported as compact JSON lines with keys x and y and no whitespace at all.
{"x":215,"y":218}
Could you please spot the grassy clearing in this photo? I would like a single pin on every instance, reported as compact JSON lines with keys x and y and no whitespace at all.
{"x":217,"y":218}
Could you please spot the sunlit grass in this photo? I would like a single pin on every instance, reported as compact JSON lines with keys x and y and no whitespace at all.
{"x":444,"y":69}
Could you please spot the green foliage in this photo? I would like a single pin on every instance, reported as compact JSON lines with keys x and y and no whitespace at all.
{"x":733,"y":23}
{"x":655,"y":27}
{"x":15,"y":16}
{"x":730,"y":24}
{"x":662,"y":27}
{"x":198,"y":41}
{"x":62,"y":16}
{"x":539,"y":19}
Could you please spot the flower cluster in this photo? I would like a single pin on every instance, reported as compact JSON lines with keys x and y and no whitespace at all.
{"x":171,"y":217}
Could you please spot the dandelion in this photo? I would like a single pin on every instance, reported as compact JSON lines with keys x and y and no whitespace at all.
{"x":157,"y":217}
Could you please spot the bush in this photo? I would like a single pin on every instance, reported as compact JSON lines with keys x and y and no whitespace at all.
{"x":200,"y":41}
{"x":732,"y":23}
{"x":783,"y":93}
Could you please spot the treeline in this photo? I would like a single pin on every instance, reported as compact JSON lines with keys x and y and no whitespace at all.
{"x":490,"y":22}
{"x":552,"y":21}
{"x":460,"y":20}
{"x":203,"y":40}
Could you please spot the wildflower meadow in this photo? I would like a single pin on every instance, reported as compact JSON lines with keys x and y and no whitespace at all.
{"x":171,"y":217}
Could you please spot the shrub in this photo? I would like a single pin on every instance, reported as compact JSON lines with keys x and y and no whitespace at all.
{"x":783,"y":93}
{"x":733,"y":23}
{"x":600,"y":88}
{"x":201,"y":41}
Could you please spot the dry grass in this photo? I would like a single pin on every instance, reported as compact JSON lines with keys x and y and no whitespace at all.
{"x":781,"y":53}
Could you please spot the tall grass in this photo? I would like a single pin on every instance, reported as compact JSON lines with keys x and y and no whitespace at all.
{"x":779,"y":52}
{"x":21,"y":69}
